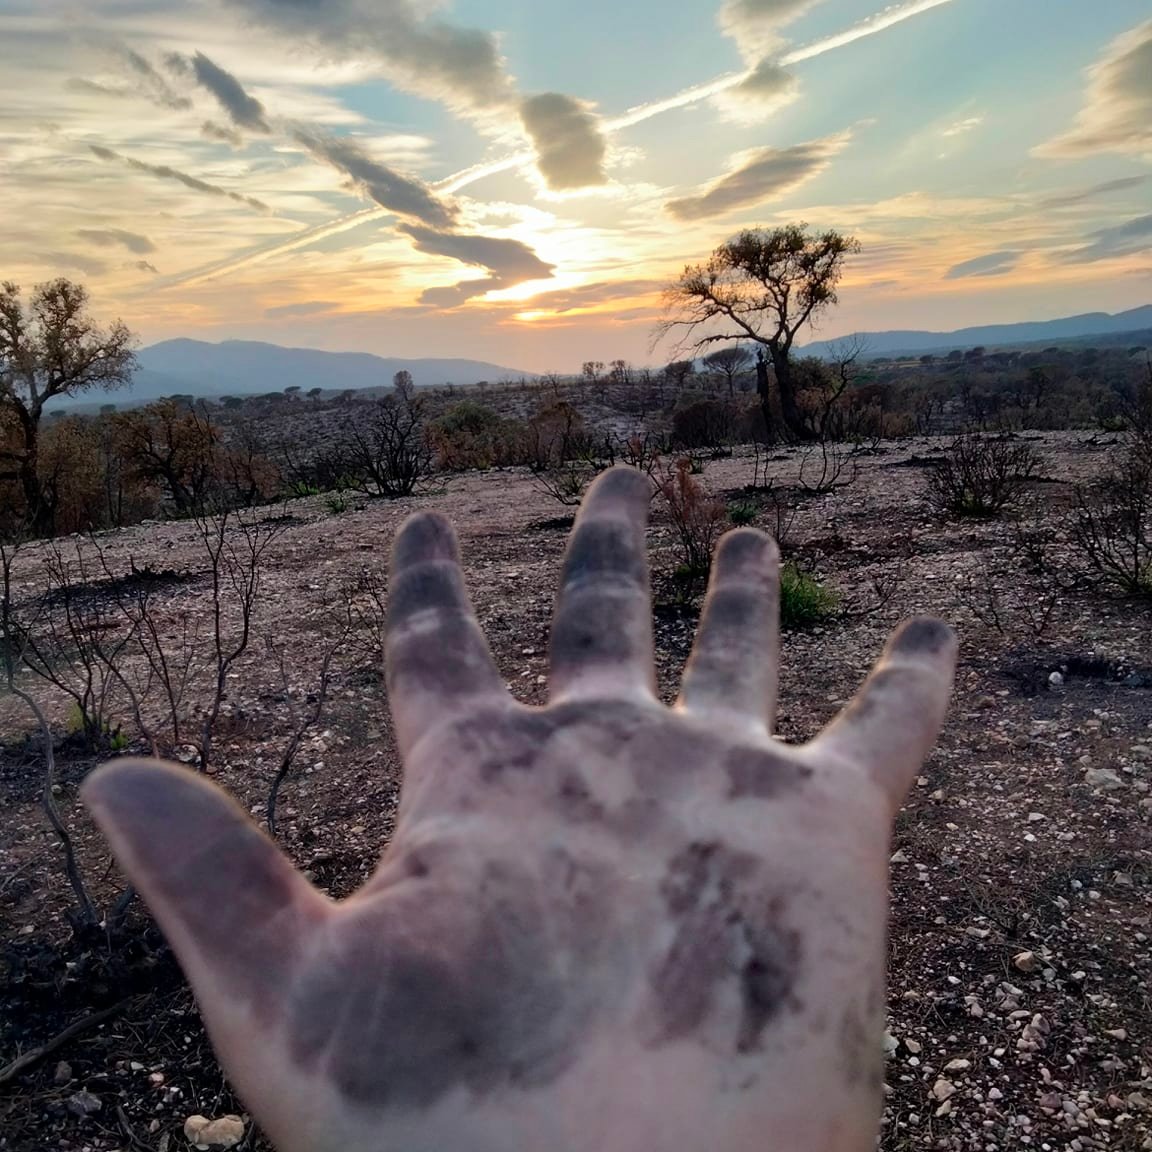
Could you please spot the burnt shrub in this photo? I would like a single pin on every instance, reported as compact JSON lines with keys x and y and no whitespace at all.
{"x":980,"y":476}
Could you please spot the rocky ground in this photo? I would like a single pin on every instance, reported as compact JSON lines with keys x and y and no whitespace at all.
{"x":1019,"y":1011}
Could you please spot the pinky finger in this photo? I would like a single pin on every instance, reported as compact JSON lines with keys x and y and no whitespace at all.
{"x":893,"y":721}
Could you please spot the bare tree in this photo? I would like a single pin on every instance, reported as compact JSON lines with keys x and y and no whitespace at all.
{"x":236,"y":549}
{"x":763,"y":286}
{"x":50,"y":348}
{"x":12,"y":648}
{"x":388,"y":448}
{"x":75,"y":642}
{"x":302,"y":720}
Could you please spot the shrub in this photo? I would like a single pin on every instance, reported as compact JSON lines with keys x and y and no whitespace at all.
{"x":980,"y":476}
{"x":705,"y":424}
{"x":466,"y":437}
{"x":565,"y":482}
{"x":697,"y":518}
{"x":804,"y":601}
{"x":1113,"y":528}
{"x":387,"y":447}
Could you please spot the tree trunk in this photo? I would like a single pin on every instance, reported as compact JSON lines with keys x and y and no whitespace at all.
{"x":38,"y":510}
{"x":764,"y":391}
{"x":793,"y":421}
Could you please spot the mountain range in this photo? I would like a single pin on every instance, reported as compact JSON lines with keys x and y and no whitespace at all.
{"x":248,"y":367}
{"x":994,"y":335}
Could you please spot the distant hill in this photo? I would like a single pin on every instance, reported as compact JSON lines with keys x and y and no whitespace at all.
{"x":995,"y":335}
{"x":247,"y":367}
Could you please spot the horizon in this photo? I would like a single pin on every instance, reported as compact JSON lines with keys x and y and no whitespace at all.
{"x":494,"y":185}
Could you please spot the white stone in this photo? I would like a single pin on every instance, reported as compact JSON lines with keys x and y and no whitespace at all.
{"x":226,"y":1132}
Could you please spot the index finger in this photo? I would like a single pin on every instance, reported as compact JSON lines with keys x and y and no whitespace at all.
{"x":436,"y":657}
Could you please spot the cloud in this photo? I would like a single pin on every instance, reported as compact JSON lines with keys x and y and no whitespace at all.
{"x":962,"y":126}
{"x":110,"y":237}
{"x":243,"y":110}
{"x":1126,"y":239}
{"x":759,"y":175}
{"x":167,"y":173}
{"x":992,"y":264}
{"x":509,"y":261}
{"x":1093,"y":190}
{"x":422,"y":54}
{"x":870,"y":26}
{"x":755,"y":25}
{"x":570,"y":145}
{"x":213,"y":131}
{"x":562,"y":300}
{"x":149,"y":82}
{"x":767,"y":88}
{"x":143,"y":266}
{"x":1117,"y":111}
{"x":86,"y":264}
{"x":400,"y":194}
{"x":303,"y":308}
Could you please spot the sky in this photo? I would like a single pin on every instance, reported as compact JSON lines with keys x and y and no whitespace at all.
{"x":517,"y":181}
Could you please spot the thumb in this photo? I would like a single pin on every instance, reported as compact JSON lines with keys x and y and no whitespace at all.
{"x":234,"y":909}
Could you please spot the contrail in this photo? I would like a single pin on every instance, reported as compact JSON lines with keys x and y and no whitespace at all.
{"x":895,"y":14}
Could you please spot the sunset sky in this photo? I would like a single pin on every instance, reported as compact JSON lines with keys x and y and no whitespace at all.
{"x":515,"y":180}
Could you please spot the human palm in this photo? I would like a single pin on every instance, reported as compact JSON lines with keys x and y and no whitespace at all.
{"x":600,"y":925}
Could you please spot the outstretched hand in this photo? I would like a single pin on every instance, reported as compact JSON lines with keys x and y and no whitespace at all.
{"x":601,"y":925}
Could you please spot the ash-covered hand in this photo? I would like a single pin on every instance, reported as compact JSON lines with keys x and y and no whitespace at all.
{"x":601,"y":925}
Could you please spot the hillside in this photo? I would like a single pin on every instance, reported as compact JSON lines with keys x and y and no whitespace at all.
{"x":247,"y":367}
{"x":1051,"y":331}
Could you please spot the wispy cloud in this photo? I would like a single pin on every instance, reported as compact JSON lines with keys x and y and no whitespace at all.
{"x":117,"y":237}
{"x":148,"y":81}
{"x":508,"y":261}
{"x":1127,"y":239}
{"x":562,"y":300}
{"x":89,"y":265}
{"x":992,"y":264}
{"x":767,"y":88}
{"x":756,"y":25}
{"x":422,"y":54}
{"x":210,"y":130}
{"x":1092,"y":191}
{"x":403,"y":195}
{"x":570,"y":144}
{"x":165,"y":172}
{"x":303,"y":308}
{"x":1117,"y":112}
{"x":243,"y":109}
{"x":760,"y":175}
{"x":960,"y":127}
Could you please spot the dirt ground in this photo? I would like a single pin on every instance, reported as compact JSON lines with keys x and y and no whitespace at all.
{"x":1019,"y":1002}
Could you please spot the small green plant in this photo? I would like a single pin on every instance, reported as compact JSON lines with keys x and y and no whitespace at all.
{"x":337,"y":502}
{"x":686,"y":582}
{"x":804,"y":601}
{"x":742,"y":514}
{"x":94,"y":733}
{"x":302,"y":488}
